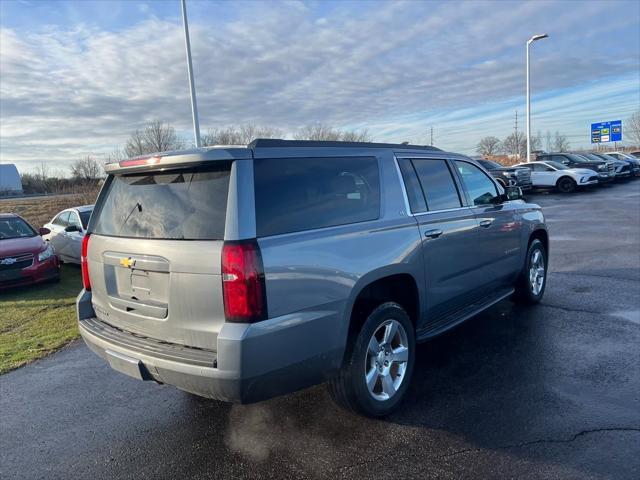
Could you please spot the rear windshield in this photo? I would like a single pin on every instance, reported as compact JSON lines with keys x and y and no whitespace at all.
{"x":177,"y":205}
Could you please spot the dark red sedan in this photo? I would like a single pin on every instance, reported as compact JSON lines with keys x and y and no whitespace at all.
{"x":25,"y":257}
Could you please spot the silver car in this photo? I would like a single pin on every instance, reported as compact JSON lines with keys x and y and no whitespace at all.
{"x":241,"y":273}
{"x":67,"y":231}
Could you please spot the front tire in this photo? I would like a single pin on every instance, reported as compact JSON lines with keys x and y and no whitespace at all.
{"x":378,"y":369}
{"x":531,"y":283}
{"x":566,"y":185}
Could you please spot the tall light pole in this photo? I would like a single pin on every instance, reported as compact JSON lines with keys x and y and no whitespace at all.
{"x":194,"y":104}
{"x":529,"y":42}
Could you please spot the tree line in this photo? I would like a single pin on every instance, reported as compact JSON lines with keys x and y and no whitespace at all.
{"x":516,"y":144}
{"x":160,"y":136}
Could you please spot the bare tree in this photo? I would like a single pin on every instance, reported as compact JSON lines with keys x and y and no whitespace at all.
{"x":317,"y":132}
{"x":136,"y":144}
{"x":326,"y":132}
{"x":518,"y":145}
{"x":513,"y":144}
{"x":632,"y":129}
{"x":489,"y":146}
{"x":161,"y":137}
{"x":239,"y":135}
{"x":115,"y":156}
{"x":548,"y":136}
{"x":561,"y":143}
{"x":157,"y":136}
{"x":86,"y":168}
{"x":356,"y":136}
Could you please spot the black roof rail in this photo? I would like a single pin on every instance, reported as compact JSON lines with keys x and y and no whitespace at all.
{"x":279,"y":143}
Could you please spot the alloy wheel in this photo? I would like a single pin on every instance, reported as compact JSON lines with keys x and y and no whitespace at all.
{"x":536,"y":271}
{"x":386,"y":360}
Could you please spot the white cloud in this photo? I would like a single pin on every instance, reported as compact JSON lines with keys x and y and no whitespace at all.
{"x":68,"y":92}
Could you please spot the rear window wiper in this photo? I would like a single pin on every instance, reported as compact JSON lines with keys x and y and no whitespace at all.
{"x":139,"y":207}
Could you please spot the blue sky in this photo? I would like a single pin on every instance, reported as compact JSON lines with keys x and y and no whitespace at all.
{"x":78,"y":77}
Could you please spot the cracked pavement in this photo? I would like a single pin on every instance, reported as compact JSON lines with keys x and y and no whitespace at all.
{"x":551,"y":391}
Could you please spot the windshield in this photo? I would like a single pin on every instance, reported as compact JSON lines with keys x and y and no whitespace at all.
{"x":558,"y":165}
{"x":592,"y":157}
{"x":576,"y":158}
{"x":188,"y":204}
{"x":489,"y":164}
{"x":14,"y":227}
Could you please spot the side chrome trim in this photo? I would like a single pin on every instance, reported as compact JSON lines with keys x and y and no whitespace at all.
{"x":441,"y":211}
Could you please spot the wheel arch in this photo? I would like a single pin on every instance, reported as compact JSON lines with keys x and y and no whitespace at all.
{"x":565,"y":176}
{"x":384,"y":285}
{"x":542,"y":235}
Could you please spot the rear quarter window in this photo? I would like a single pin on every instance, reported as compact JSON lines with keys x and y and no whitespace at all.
{"x":297,"y":194}
{"x":186,"y":204}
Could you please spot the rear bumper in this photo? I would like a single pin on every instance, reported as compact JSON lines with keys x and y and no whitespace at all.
{"x":252,"y":362}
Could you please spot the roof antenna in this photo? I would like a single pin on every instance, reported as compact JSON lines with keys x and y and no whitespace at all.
{"x":194,"y":105}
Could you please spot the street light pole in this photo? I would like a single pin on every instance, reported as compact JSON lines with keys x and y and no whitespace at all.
{"x":194,"y":104}
{"x":529,"y":42}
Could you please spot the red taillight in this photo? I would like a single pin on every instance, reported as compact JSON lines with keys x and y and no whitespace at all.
{"x":136,"y":162}
{"x":243,"y":286}
{"x":86,"y":283}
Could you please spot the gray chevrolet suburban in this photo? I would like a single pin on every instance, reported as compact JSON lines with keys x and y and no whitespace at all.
{"x":241,"y":273}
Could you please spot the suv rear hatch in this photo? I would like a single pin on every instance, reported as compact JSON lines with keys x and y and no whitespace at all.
{"x":154,"y":255}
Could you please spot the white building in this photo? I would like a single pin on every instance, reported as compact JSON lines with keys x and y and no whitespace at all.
{"x":10,"y":182}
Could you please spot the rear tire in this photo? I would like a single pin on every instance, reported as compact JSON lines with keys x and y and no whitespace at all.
{"x":376,"y":373}
{"x":530,"y":286}
{"x":566,"y":185}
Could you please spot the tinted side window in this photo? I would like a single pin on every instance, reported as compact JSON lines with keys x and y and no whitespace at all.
{"x":296,"y":194}
{"x":437,"y":184}
{"x":412,"y":186}
{"x":84,"y":218}
{"x":481,"y":188}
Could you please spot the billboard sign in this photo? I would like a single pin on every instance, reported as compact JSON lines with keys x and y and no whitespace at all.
{"x":606,"y":132}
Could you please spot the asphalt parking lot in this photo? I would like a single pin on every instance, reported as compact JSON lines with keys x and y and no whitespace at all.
{"x":551,"y":391}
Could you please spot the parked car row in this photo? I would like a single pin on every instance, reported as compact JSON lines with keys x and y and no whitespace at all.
{"x":567,"y":172}
{"x":29,"y":256}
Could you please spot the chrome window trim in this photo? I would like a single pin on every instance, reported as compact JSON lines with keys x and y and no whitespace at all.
{"x":440,"y":211}
{"x":406,"y":197}
{"x":402,"y":186}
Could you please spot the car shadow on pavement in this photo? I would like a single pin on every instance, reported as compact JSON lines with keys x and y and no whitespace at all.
{"x":484,"y":386}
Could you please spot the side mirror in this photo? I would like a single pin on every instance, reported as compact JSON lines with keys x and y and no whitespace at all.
{"x":71,"y":228}
{"x":43,"y":231}
{"x":513,"y":193}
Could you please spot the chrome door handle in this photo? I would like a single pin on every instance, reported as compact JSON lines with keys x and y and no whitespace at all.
{"x":435,"y":233}
{"x":486,"y":223}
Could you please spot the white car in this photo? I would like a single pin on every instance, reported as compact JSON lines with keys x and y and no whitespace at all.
{"x":551,"y":174}
{"x":67,"y":230}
